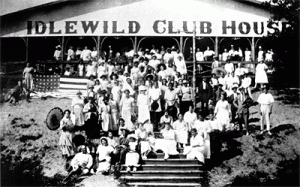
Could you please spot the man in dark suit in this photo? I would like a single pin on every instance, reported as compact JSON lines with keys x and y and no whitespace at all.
{"x":243,"y":103}
{"x":205,"y":93}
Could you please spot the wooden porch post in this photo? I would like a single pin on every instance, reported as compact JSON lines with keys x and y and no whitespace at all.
{"x":98,"y":46}
{"x":135,"y":45}
{"x":27,"y":49}
{"x":217,"y":46}
{"x":181,"y":44}
{"x":253,"y":49}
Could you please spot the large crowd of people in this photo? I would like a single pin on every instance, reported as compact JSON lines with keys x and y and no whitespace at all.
{"x":127,"y":104}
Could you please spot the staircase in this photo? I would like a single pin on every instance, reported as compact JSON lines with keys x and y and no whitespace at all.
{"x":155,"y":171}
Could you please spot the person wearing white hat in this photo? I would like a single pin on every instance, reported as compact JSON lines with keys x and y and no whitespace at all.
{"x":132,"y":157}
{"x":103,"y":152}
{"x":58,"y":53}
{"x":265,"y":101}
{"x":143,"y":104}
{"x":180,"y":64}
{"x":260,"y":55}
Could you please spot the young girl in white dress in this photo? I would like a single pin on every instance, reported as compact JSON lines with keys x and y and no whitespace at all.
{"x":143,"y":104}
{"x":223,"y":112}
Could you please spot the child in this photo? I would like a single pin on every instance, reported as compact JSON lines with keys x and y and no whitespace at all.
{"x":132,"y":157}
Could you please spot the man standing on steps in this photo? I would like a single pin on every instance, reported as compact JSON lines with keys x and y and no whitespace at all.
{"x":205,"y":92}
{"x":121,"y":149}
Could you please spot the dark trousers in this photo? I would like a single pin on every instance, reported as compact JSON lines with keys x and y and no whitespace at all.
{"x":155,"y":118}
{"x":121,"y":154}
{"x":243,"y":118}
{"x":204,"y":107}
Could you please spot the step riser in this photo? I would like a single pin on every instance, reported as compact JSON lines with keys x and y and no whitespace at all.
{"x":163,"y":174}
{"x":173,"y":162}
{"x":163,"y":180}
{"x":166,"y":168}
{"x":181,"y":185}
{"x":161,"y":156}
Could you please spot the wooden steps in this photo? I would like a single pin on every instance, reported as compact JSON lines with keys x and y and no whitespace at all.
{"x":164,"y":184}
{"x":156,"y":171}
{"x":160,"y":173}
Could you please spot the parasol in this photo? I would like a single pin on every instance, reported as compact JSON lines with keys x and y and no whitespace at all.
{"x":53,"y":118}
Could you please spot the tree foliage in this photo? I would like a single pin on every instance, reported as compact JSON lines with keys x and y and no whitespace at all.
{"x":285,"y":42}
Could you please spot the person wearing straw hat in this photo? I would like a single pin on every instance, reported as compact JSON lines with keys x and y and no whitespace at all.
{"x":104,"y":156}
{"x":77,"y":108}
{"x":143,"y":104}
{"x":58,"y":53}
{"x":265,"y":100}
{"x":132,"y":157}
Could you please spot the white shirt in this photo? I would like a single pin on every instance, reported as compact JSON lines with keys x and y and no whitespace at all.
{"x":94,"y":54}
{"x":83,"y":160}
{"x":225,"y":56}
{"x":265,"y":99}
{"x":86,"y":54}
{"x":171,"y":97}
{"x":71,"y":53}
{"x":229,"y":67}
{"x":154,"y":63}
{"x":246,"y":82}
{"x":199,"y":56}
{"x":181,"y":66}
{"x":168,"y":57}
{"x":208,"y":53}
{"x":190,"y":118}
{"x":247,"y":56}
{"x":154,"y":93}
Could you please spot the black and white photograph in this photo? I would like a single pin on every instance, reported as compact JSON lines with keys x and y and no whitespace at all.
{"x":150,"y":93}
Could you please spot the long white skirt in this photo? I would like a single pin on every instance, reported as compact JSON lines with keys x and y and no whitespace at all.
{"x":115,"y":117}
{"x":145,"y":147}
{"x":167,"y":146}
{"x":195,"y":152}
{"x":132,"y":159}
{"x":144,"y":113}
{"x":126,"y":115}
{"x":181,"y":136}
{"x":104,"y":166}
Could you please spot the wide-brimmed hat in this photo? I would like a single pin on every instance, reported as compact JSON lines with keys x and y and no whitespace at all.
{"x":150,"y":76}
{"x":162,"y":64}
{"x":58,"y":46}
{"x":185,"y":81}
{"x":103,"y":76}
{"x":235,"y":86}
{"x":103,"y":138}
{"x":79,"y":93}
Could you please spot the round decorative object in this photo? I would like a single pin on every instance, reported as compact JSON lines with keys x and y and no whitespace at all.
{"x":154,"y":106}
{"x":53,"y":118}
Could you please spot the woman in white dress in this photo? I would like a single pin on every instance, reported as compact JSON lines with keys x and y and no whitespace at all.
{"x":65,"y":140}
{"x":104,"y":82}
{"x":77,"y":106}
{"x":222,"y":112}
{"x":168,"y":143}
{"x":190,"y":117}
{"x":166,"y":118}
{"x":126,"y":106}
{"x":143,"y":104}
{"x":180,"y":64}
{"x":142,"y":136}
{"x":204,"y":128}
{"x":132,"y":157}
{"x":105,"y":113}
{"x":103,"y":151}
{"x":116,"y":91}
{"x":102,"y":69}
{"x":196,"y":149}
{"x":162,"y":71}
{"x":134,"y":72}
{"x":261,"y":74}
{"x":181,"y":130}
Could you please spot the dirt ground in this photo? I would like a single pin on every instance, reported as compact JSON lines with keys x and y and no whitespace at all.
{"x":23,"y":130}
